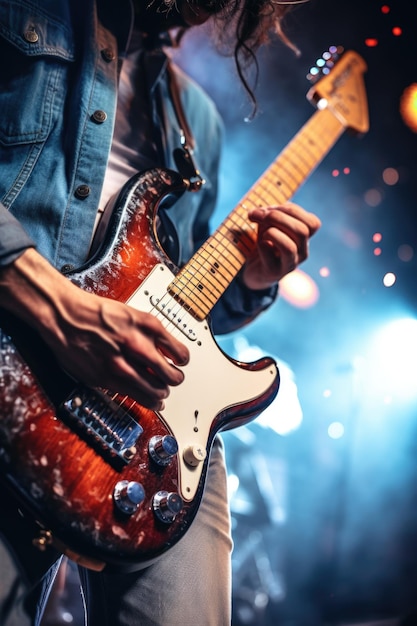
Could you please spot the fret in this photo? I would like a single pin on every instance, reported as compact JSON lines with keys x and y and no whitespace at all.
{"x":210,"y":271}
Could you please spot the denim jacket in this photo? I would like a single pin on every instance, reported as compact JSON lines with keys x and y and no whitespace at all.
{"x":58,"y":94}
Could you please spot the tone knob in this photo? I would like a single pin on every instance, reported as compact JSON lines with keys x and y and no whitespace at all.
{"x":167,"y":505}
{"x":162,"y":448}
{"x":128,"y":495}
{"x":194,"y":455}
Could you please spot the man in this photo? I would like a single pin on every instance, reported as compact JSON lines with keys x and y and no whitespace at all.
{"x":75,"y":73}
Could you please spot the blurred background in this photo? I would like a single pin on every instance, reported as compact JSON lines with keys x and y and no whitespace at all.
{"x":323,"y":485}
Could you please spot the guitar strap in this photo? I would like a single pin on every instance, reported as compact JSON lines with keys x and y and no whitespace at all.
{"x":183,"y":156}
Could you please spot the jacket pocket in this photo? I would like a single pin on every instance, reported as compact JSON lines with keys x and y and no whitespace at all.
{"x":36,"y":47}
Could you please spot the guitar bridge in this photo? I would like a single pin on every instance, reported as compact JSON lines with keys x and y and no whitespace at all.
{"x":102,"y":422}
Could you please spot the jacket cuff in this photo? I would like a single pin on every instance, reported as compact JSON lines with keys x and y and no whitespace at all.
{"x":13,"y":238}
{"x":240,"y":305}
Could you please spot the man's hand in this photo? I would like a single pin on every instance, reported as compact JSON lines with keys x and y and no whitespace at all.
{"x":283,"y":237}
{"x":100,"y":342}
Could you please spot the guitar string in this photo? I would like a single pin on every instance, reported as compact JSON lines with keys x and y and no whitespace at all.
{"x":196,"y":271}
{"x":205,"y":271}
{"x":286,"y":160}
{"x":302,"y":146}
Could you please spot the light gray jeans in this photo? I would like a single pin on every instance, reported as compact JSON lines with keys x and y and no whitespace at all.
{"x":188,"y":586}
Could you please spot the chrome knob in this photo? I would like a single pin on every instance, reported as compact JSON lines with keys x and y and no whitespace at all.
{"x":167,"y":505}
{"x":162,"y":448}
{"x":127,"y":496}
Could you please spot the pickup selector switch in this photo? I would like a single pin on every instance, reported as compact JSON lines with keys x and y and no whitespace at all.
{"x":162,"y":449}
{"x":128,"y":495}
{"x":194,"y":455}
{"x":167,"y":505}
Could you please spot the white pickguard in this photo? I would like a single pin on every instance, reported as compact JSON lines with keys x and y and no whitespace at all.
{"x":212,"y":382}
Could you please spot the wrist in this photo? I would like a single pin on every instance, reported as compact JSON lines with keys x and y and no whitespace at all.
{"x":30,"y":287}
{"x":256,"y":283}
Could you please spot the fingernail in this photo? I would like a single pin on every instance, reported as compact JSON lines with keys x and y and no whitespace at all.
{"x":257,"y":213}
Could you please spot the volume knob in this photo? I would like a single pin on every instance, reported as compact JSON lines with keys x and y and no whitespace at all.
{"x":167,"y":505}
{"x":162,"y":448}
{"x":128,"y":495}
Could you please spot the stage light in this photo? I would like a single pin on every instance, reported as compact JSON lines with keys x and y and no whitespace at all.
{"x":408,"y":107}
{"x":390,"y":176}
{"x":405,"y":253}
{"x":393,"y":360}
{"x":299,"y":289}
{"x":336,"y":430}
{"x":232,"y":484}
{"x":389,"y":279}
{"x":373,"y":197}
{"x":284,"y":414}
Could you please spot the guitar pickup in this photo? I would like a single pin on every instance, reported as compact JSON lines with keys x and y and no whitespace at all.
{"x":102,"y":422}
{"x":176,"y":314}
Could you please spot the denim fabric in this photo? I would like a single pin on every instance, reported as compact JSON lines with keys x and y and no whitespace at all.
{"x":189,"y":585}
{"x":49,"y":144}
{"x":62,"y":67}
{"x":61,"y":62}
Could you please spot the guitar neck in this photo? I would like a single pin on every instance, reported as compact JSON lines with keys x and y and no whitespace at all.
{"x":201,"y":282}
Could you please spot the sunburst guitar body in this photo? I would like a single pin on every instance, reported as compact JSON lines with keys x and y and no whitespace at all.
{"x":109,"y":481}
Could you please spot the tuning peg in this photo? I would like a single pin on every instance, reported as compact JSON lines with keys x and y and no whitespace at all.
{"x":325,"y":63}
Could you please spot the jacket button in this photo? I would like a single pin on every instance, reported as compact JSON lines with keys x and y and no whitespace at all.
{"x":68,"y":267}
{"x":99,"y":116}
{"x":31,"y":36}
{"x":82,"y":191}
{"x":108,"y":54}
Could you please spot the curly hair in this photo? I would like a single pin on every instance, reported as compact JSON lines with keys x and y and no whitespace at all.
{"x":250,"y":24}
{"x":242,"y":26}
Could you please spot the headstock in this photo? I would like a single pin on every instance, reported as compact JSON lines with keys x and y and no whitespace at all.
{"x":338,"y":85}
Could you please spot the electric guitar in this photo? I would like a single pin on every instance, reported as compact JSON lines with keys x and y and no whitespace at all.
{"x":109,"y":481}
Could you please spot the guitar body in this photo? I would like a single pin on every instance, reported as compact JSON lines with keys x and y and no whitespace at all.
{"x":108,"y":480}
{"x":90,"y":465}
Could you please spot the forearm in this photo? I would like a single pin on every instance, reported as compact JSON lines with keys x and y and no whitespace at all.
{"x":99,"y":341}
{"x":33,"y":290}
